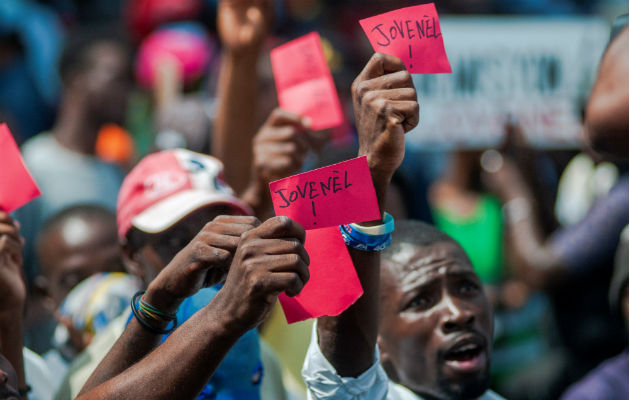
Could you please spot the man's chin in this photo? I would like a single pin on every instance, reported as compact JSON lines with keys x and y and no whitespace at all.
{"x":466,"y":387}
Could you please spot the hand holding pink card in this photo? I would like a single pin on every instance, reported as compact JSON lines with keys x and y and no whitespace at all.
{"x":17,"y":186}
{"x":321,"y":200}
{"x":412,"y":34}
{"x":304,"y":83}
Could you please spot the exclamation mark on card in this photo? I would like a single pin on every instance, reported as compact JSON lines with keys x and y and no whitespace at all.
{"x":410,"y":58}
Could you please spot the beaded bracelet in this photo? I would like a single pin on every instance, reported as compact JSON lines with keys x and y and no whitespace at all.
{"x":145,"y":313}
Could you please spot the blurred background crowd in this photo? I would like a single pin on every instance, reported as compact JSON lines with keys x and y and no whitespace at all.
{"x":89,"y":87}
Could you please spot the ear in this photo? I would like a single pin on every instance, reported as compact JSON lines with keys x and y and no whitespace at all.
{"x":386,"y":359}
{"x":131,"y":258}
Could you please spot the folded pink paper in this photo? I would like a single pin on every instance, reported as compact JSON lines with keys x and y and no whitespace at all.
{"x":17,"y":186}
{"x":304,"y":83}
{"x":412,"y":34}
{"x":333,"y":286}
{"x":338,"y":194}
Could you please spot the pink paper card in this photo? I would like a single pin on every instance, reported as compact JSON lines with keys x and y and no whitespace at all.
{"x":412,"y":34}
{"x":304,"y":83}
{"x":338,"y":194}
{"x":17,"y":186}
{"x":333,"y":285}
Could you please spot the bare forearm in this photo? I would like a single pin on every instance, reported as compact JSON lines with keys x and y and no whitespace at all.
{"x":179,"y":367}
{"x":348,"y":340}
{"x":133,"y":345}
{"x":12,"y":342}
{"x":527,"y":245}
{"x":235,"y":125}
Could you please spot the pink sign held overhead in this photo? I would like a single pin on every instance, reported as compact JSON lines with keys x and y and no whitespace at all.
{"x":17,"y":186}
{"x":338,"y":194}
{"x":333,"y":285}
{"x":304,"y":83}
{"x":412,"y":34}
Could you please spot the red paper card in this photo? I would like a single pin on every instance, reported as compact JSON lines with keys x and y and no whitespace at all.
{"x":333,"y":285}
{"x":338,"y":194}
{"x":412,"y":34}
{"x":17,"y":186}
{"x":304,"y":83}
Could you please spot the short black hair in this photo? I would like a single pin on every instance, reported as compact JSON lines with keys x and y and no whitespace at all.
{"x":75,"y":57}
{"x":84,"y":211}
{"x":417,"y":233}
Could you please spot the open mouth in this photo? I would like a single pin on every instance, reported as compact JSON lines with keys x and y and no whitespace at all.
{"x":466,"y":356}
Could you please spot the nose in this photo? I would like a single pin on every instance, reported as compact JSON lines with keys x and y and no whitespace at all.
{"x":455,"y":316}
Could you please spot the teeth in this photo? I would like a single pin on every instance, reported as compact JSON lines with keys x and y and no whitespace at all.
{"x":467,"y":347}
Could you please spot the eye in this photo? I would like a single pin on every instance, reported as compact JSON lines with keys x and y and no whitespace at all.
{"x":420,"y":302}
{"x":468,"y":287}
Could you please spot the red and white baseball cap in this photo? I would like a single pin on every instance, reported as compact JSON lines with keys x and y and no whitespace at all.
{"x":167,"y":186}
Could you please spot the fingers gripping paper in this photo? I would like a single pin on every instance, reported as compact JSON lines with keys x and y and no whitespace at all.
{"x":304,"y":83}
{"x":412,"y":34}
{"x":17,"y":187}
{"x":325,"y":198}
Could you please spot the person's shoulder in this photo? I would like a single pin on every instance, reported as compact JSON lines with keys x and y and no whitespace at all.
{"x":399,"y":392}
{"x":38,"y":144}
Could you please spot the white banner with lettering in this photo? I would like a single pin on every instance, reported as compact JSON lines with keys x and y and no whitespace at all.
{"x":538,"y":70}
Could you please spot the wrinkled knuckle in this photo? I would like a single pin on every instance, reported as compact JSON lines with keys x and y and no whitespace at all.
{"x":354,"y":88}
{"x":248,"y":250}
{"x":378,"y":57}
{"x":363,"y":89}
{"x":296,"y":283}
{"x":247,"y":236}
{"x":382,"y":107}
{"x":221,"y":255}
{"x":283,"y":222}
{"x":370,"y":97}
{"x":296,"y":245}
{"x":258,"y":286}
{"x":293,"y":259}
{"x":407,"y":78}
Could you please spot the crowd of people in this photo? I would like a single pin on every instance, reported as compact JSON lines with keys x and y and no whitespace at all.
{"x":151,"y":264}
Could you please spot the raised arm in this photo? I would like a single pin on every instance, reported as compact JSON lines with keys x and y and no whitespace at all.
{"x":279,"y":149}
{"x":203,"y":262}
{"x":242,"y":27}
{"x":13,"y":296}
{"x":270,"y":259}
{"x":385,"y":107}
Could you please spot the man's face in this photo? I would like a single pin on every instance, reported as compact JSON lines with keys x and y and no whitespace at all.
{"x":108,"y":81}
{"x":157,"y":250}
{"x":80,"y":248}
{"x":436,"y":322}
{"x":8,"y":380}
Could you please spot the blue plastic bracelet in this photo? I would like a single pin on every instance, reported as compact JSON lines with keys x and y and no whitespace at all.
{"x":386,"y":227}
{"x":377,"y":243}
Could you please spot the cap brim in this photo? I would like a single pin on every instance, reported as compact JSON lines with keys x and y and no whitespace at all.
{"x":167,"y":212}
